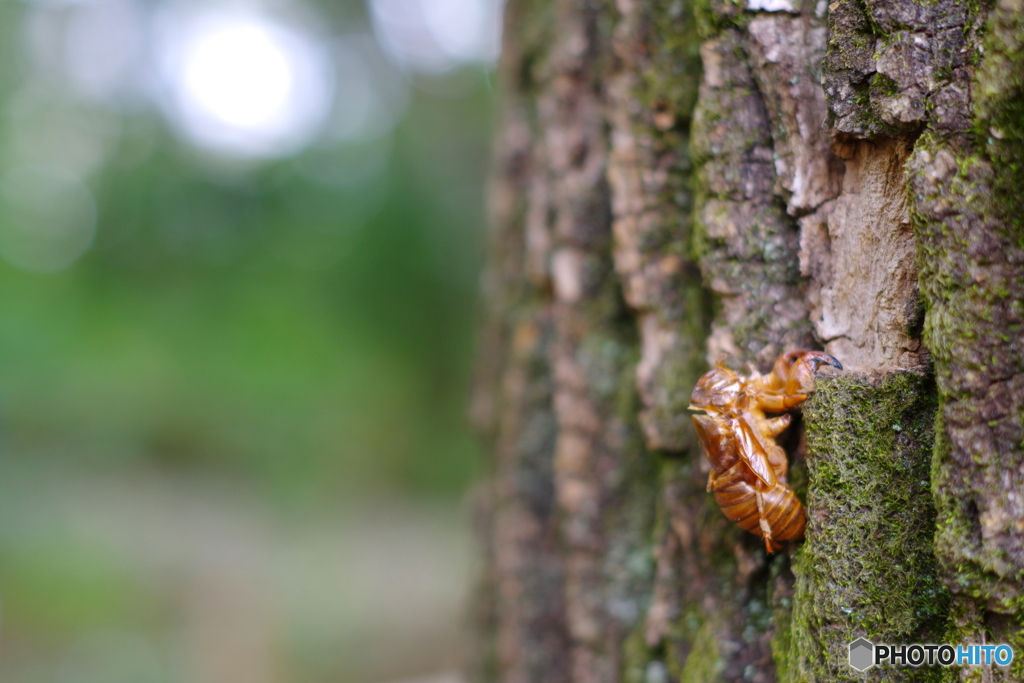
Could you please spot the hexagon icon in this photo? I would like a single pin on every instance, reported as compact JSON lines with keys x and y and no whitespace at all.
{"x":861,"y":654}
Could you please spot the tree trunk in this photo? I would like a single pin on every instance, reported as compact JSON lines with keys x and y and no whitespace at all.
{"x":683,"y":179}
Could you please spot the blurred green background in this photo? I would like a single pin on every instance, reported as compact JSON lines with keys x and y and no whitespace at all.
{"x":233,"y":374}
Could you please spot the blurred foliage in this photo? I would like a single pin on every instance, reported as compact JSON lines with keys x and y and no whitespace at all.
{"x":304,"y":324}
{"x":232,"y":431}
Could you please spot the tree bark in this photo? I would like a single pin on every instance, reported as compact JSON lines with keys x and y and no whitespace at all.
{"x":683,"y":179}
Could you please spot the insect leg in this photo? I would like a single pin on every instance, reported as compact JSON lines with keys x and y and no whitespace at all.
{"x":777,"y":401}
{"x":800,"y":375}
{"x":777,"y":425}
{"x":766,"y":529}
{"x":786,"y":386}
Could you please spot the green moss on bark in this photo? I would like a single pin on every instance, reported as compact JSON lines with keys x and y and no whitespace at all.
{"x":999,"y":119}
{"x":964,"y":193}
{"x":636,"y":657}
{"x":705,"y":662}
{"x":867,"y":566}
{"x":714,"y":16}
{"x":672,"y":77}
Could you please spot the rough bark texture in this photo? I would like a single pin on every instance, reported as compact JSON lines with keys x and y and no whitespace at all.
{"x":680,"y":179}
{"x":965,"y":183}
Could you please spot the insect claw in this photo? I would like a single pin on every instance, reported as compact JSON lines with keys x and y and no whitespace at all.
{"x":834,"y":362}
{"x":816,"y":359}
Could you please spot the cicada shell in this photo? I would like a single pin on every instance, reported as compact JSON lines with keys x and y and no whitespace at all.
{"x":748,"y":467}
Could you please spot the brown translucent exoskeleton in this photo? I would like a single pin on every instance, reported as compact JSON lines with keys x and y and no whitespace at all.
{"x":749,"y":468}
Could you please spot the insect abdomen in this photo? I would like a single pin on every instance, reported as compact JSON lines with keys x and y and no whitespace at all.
{"x":737,"y":497}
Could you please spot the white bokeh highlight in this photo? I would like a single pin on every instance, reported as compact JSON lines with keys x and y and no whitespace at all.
{"x":239,"y":82}
{"x":436,"y":36}
{"x":105,"y":50}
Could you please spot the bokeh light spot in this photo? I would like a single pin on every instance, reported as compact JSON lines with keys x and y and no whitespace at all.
{"x":435,"y":36}
{"x":240,"y":75}
{"x":244,"y":84}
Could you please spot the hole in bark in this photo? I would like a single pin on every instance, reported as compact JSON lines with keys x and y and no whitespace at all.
{"x":1001,"y":627}
{"x":972,"y":516}
{"x":914,"y":315}
{"x":579,"y":154}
